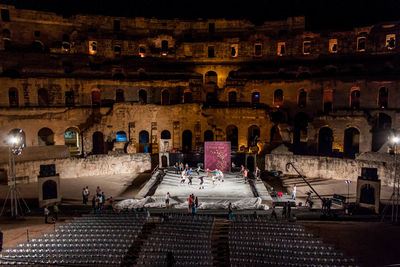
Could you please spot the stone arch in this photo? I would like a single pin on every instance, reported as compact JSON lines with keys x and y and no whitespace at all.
{"x":278,"y":97}
{"x":208,"y":136}
{"x":45,"y":137}
{"x":71,"y":139}
{"x":164,"y":161}
{"x":355,"y":98}
{"x":121,"y":136}
{"x":165,"y":100}
{"x":232,"y":97}
{"x":96,"y":97}
{"x":187,"y":96}
{"x":255,"y":98}
{"x":119,"y":96}
{"x":325,"y":141}
{"x":232,"y":135}
{"x":144,"y":142}
{"x":13,"y":97}
{"x":381,"y":130}
{"x":98,"y":143}
{"x":211,"y":77}
{"x":187,"y":141}
{"x":253,"y":133}
{"x":142,"y":96}
{"x":49,"y":189}
{"x":43,"y":97}
{"x":37,"y":46}
{"x":165,"y":134}
{"x":351,"y":141}
{"x":302,"y":98}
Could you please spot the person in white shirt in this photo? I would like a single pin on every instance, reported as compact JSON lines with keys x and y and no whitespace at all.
{"x":294,"y":192}
{"x":167,"y":196}
{"x":221,"y":175}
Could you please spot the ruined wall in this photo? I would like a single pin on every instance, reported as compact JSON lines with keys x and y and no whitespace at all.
{"x":99,"y":165}
{"x":332,"y":168}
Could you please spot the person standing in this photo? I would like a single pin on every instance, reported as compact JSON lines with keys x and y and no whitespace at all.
{"x":245,"y":176}
{"x":198,"y":170}
{"x":194,"y":207}
{"x":98,"y":191}
{"x":273,"y":213}
{"x":201,"y":182}
{"x":190,"y":203}
{"x":221,"y":175}
{"x":46,"y":214}
{"x":176,"y":168}
{"x":289,"y":210}
{"x":55,"y":211}
{"x":257,"y":174}
{"x":167,"y":197}
{"x":294,"y":192}
{"x":83,"y":196}
{"x":196,"y":202}
{"x":284,"y":211}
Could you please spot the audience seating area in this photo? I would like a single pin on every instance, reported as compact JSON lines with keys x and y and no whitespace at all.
{"x":134,"y":239}
{"x":187,"y":237}
{"x":259,"y":241}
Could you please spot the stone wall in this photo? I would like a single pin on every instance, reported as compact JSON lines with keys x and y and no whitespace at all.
{"x":331,"y":168}
{"x":99,"y":165}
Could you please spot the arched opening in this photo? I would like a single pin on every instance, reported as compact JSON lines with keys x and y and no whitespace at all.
{"x":381,"y":130}
{"x":302,"y":98}
{"x":232,"y":135}
{"x":367,"y":194}
{"x":144,"y":140}
{"x":37,"y":47}
{"x":208,"y":136}
{"x":300,"y":133}
{"x":351,"y":141}
{"x":43,"y":97}
{"x":255,"y":98}
{"x":96,"y":97}
{"x":98,"y":143}
{"x":13,"y":97}
{"x":187,"y":141}
{"x":71,"y":139}
{"x":355,"y":98}
{"x":46,"y":137}
{"x":211,"y":98}
{"x":253,"y":134}
{"x":165,"y":134}
{"x":250,"y":164}
{"x":325,"y":141}
{"x":275,"y":136}
{"x":232,"y":97}
{"x":164,"y":161}
{"x":121,"y":137}
{"x":49,"y":190}
{"x":19,"y":135}
{"x":328,"y":100}
{"x":383,"y":97}
{"x":165,"y":97}
{"x":142,"y":97}
{"x":278,"y":97}
{"x":69,"y":99}
{"x":119,"y":96}
{"x":211,"y":77}
{"x":188,"y":97}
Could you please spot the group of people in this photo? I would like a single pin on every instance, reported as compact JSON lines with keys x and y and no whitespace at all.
{"x":98,"y":199}
{"x":193,"y":204}
{"x":54,"y":218}
{"x":244,"y":173}
{"x":186,"y":174}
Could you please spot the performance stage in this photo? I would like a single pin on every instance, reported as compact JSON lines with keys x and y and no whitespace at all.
{"x":233,"y":190}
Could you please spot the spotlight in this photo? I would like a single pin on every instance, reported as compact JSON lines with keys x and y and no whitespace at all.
{"x":395,"y":139}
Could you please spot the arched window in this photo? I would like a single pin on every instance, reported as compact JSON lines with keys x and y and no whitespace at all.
{"x":302,"y":98}
{"x":351,"y":141}
{"x":383,"y":97}
{"x":278,"y":97}
{"x":187,"y":141}
{"x":328,"y":100}
{"x":300,"y":133}
{"x":255,"y":98}
{"x":361,"y":43}
{"x":46,"y":137}
{"x":253,"y":135}
{"x":232,"y":98}
{"x":144,"y":140}
{"x":232,"y":135}
{"x":142,"y":97}
{"x":119,"y":96}
{"x":381,"y":130}
{"x":43,"y":97}
{"x":13,"y":97}
{"x":208,"y":136}
{"x":355,"y":98}
{"x":165,"y":134}
{"x":211,"y":77}
{"x":165,"y":97}
{"x":98,"y":143}
{"x":258,"y":49}
{"x":188,"y":97}
{"x":121,"y":137}
{"x":71,"y":139}
{"x":69,"y":99}
{"x":325,"y":141}
{"x":164,"y":47}
{"x":96,"y":97}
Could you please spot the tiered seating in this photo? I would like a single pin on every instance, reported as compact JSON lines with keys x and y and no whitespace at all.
{"x":95,"y":239}
{"x":258,"y":241}
{"x":187,"y":237}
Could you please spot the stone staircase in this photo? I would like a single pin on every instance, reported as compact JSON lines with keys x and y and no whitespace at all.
{"x":220,"y":242}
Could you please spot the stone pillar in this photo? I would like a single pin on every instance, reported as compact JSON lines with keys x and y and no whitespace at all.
{"x":176,"y":136}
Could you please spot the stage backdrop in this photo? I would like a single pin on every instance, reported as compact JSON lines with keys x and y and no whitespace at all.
{"x":217,"y":155}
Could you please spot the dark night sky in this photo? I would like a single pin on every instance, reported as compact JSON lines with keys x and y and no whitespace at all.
{"x":320,"y":14}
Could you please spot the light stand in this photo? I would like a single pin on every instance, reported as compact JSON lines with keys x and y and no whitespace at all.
{"x":348,"y":182}
{"x":16,"y":145}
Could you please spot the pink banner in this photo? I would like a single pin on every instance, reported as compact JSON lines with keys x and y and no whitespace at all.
{"x":217,"y":155}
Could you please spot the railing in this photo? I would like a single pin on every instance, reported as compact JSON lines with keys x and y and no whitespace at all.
{"x":154,"y":171}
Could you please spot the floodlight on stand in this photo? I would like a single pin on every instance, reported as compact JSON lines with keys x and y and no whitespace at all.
{"x":395,"y":139}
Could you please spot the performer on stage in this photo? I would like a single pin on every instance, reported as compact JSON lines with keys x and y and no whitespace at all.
{"x":221,"y":175}
{"x":201,"y":182}
{"x":198,"y":170}
{"x":183,"y":177}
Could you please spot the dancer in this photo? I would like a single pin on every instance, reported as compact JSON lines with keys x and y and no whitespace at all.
{"x":294,"y":192}
{"x":257,"y":174}
{"x":183,"y":177}
{"x":198,"y":170}
{"x":201,"y":182}
{"x":245,"y":172}
{"x":208,"y":172}
{"x":221,"y":175}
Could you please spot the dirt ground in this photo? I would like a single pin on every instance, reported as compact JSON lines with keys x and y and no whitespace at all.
{"x":370,"y":243}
